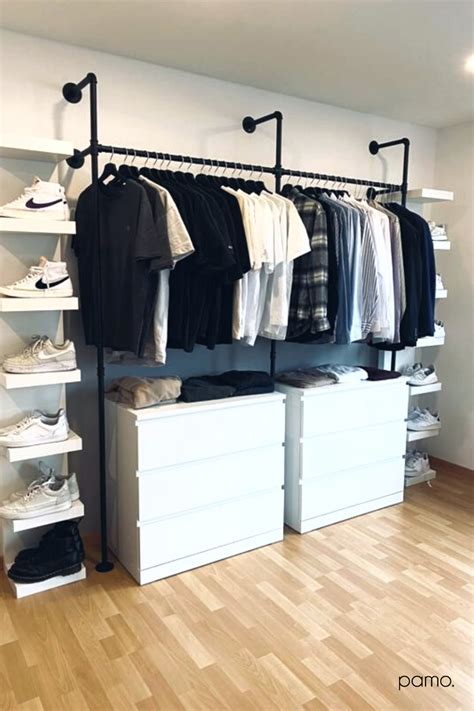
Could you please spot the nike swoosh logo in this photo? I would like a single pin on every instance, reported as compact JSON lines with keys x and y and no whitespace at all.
{"x":38,"y":205}
{"x":48,"y":356}
{"x":41,"y":285}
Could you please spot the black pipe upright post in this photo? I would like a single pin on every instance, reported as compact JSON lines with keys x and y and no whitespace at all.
{"x":73,"y":93}
{"x":374,"y":147}
{"x":249,"y":125}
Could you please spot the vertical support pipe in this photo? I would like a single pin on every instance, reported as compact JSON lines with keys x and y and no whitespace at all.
{"x":104,"y":565}
{"x":249,"y":125}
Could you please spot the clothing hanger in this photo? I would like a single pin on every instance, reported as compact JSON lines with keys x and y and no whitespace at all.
{"x":129,"y":171}
{"x":110,"y":170}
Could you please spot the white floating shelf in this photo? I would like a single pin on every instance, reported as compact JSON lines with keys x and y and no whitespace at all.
{"x":429,"y":341}
{"x":9,"y":304}
{"x":442,"y":294}
{"x":425,"y":195}
{"x":37,"y":226}
{"x":25,"y":589}
{"x":427,"y":476}
{"x":12,"y":381}
{"x":422,"y":389}
{"x":26,"y":148}
{"x":444,"y":245}
{"x":17,"y":525}
{"x":424,"y":434}
{"x":19,"y":454}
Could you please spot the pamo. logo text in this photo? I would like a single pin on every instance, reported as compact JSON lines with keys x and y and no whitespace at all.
{"x":424,"y":681}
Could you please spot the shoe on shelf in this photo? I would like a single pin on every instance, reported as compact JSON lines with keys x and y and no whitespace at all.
{"x":59,"y":554}
{"x":439,"y":330}
{"x":38,"y":428}
{"x":42,"y":356}
{"x":46,"y":498}
{"x":423,"y":420}
{"x":438,"y":232}
{"x":45,"y":474}
{"x":439,"y":283}
{"x":410,"y":370}
{"x":423,"y":376}
{"x":48,"y":279}
{"x":42,"y":200}
{"x":61,"y":529}
{"x":416,"y":463}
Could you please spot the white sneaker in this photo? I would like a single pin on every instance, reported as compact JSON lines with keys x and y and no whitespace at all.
{"x":438,"y":232}
{"x":416,"y":463}
{"x":45,"y":474}
{"x":42,"y":356}
{"x":439,"y":331}
{"x":38,"y":428}
{"x":46,"y":498}
{"x":409,"y":370}
{"x":439,"y":283}
{"x":42,"y":200}
{"x":48,"y":279}
{"x":423,"y":376}
{"x":423,"y":420}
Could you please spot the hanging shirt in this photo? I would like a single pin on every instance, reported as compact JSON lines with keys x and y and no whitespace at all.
{"x":129,"y":244}
{"x":308,"y":305}
{"x":290,"y":243}
{"x":180,"y":246}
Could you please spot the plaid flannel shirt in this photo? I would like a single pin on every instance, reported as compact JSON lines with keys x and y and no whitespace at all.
{"x":309,"y":292}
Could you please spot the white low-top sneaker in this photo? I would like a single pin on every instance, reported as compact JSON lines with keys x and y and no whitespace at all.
{"x":408,"y":370}
{"x":48,"y":279}
{"x":438,"y":232}
{"x":47,"y":498}
{"x":42,"y":356}
{"x":439,"y":330}
{"x":424,"y":420}
{"x":423,"y":376}
{"x":38,"y":428}
{"x":47,"y":473}
{"x":42,"y":200}
{"x":416,"y":463}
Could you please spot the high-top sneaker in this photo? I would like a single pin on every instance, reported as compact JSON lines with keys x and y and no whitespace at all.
{"x":42,"y":200}
{"x":48,"y":279}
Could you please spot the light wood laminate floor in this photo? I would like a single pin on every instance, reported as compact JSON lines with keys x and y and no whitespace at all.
{"x":328,"y":620}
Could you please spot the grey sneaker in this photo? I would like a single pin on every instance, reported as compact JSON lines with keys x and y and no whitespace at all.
{"x":42,"y":356}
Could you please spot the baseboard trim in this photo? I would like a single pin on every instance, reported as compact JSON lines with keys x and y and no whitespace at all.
{"x":437,"y":463}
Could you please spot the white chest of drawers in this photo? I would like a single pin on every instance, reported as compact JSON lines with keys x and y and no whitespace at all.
{"x":344,"y":448}
{"x":194,"y":483}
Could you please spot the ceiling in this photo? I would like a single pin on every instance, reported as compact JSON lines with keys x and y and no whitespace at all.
{"x":402,"y":59}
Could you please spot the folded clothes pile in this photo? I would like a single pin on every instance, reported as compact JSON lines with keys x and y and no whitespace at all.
{"x":145,"y":392}
{"x":233,"y":383}
{"x":327,"y":374}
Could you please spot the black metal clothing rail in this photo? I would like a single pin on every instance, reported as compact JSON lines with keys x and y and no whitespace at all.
{"x":73,"y":94}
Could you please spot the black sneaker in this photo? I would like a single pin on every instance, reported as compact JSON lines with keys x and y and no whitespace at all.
{"x":63,"y":528}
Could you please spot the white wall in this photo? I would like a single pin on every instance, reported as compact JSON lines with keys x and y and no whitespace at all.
{"x":152,"y":107}
{"x":455,"y":360}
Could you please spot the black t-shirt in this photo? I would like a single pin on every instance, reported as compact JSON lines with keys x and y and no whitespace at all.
{"x":129,"y":243}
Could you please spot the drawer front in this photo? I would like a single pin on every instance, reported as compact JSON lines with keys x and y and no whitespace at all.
{"x":171,"y":490}
{"x":335,"y":451}
{"x":335,"y":491}
{"x":203,"y":530}
{"x":192,"y":436}
{"x":355,"y":408}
